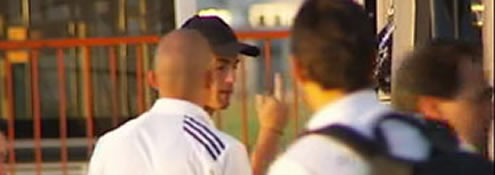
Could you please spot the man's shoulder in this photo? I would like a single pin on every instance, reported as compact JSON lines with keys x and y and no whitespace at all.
{"x":403,"y":138}
{"x":318,"y":146}
{"x":123,"y":130}
{"x":126,"y":132}
{"x":122,"y":135}
{"x":229,"y":139}
{"x":318,"y":154}
{"x":404,"y":141}
{"x":225,"y":141}
{"x":209,"y":141}
{"x":197,"y":128}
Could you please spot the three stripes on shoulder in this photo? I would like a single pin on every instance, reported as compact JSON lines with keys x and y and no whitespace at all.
{"x":198,"y":131}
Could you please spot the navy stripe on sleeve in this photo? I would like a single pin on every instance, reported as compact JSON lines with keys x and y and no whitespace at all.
{"x":222,"y":145}
{"x":211,"y":143}
{"x":201,"y":142}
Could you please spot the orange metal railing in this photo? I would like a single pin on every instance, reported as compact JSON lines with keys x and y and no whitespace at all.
{"x":35,"y":46}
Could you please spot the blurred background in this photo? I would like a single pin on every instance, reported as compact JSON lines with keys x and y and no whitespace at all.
{"x":70,"y":70}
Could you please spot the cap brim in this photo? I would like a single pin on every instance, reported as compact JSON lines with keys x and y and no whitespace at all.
{"x":235,"y":48}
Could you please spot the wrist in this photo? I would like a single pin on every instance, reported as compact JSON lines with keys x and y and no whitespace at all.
{"x":273,"y":130}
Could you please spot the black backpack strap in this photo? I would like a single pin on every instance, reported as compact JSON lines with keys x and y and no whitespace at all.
{"x":351,"y":138}
{"x":379,"y":133}
{"x":442,"y":136}
{"x":437,"y":133}
{"x":446,"y":157}
{"x":403,"y":118}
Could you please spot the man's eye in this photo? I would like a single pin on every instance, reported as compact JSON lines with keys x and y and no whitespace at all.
{"x":221,"y":67}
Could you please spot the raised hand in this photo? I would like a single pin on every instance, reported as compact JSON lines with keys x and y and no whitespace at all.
{"x":272,"y":109}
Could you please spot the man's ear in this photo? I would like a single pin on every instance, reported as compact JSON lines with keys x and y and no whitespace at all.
{"x":430,"y":107}
{"x":210,"y":72}
{"x":208,"y":78}
{"x":152,"y":79}
{"x":296,"y":70}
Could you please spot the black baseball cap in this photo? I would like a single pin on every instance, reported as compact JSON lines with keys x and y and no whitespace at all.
{"x":220,"y":36}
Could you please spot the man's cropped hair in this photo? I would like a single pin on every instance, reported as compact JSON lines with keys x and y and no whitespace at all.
{"x":433,"y":70}
{"x":334,"y":42}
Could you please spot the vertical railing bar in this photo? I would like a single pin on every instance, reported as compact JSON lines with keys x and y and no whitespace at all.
{"x":62,"y":110}
{"x":9,"y":78}
{"x":114,"y":86}
{"x":36,"y":104}
{"x":146,"y":68}
{"x":124,"y":90}
{"x":139,"y":79}
{"x":268,"y":66}
{"x":73,"y":82}
{"x":244,"y":111}
{"x":88,"y":99}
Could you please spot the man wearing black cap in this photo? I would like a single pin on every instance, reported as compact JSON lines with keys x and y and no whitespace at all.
{"x":227,"y":50}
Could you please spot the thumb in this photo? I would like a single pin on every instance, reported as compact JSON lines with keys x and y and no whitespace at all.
{"x":279,"y":89}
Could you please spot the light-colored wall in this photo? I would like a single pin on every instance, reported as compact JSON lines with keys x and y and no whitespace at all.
{"x":404,"y":21}
{"x":239,"y":8}
{"x":183,"y":10}
{"x":488,"y":38}
{"x":488,"y":45}
{"x":382,"y":10}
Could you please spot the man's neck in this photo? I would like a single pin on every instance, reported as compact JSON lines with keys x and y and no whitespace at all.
{"x":318,"y":98}
{"x":196,"y":99}
{"x":209,"y":110}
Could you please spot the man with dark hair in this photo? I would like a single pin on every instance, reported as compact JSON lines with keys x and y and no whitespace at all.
{"x":333,"y":48}
{"x":444,"y":82}
{"x":227,"y":51}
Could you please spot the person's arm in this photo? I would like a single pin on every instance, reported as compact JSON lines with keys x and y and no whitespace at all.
{"x":267,"y":147}
{"x":317,"y":155}
{"x":272,"y":116}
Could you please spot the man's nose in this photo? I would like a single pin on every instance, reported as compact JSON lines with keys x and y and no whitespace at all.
{"x":230,"y":78}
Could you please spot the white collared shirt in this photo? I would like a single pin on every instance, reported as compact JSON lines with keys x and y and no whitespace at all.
{"x":174,"y":137}
{"x":318,"y":155}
